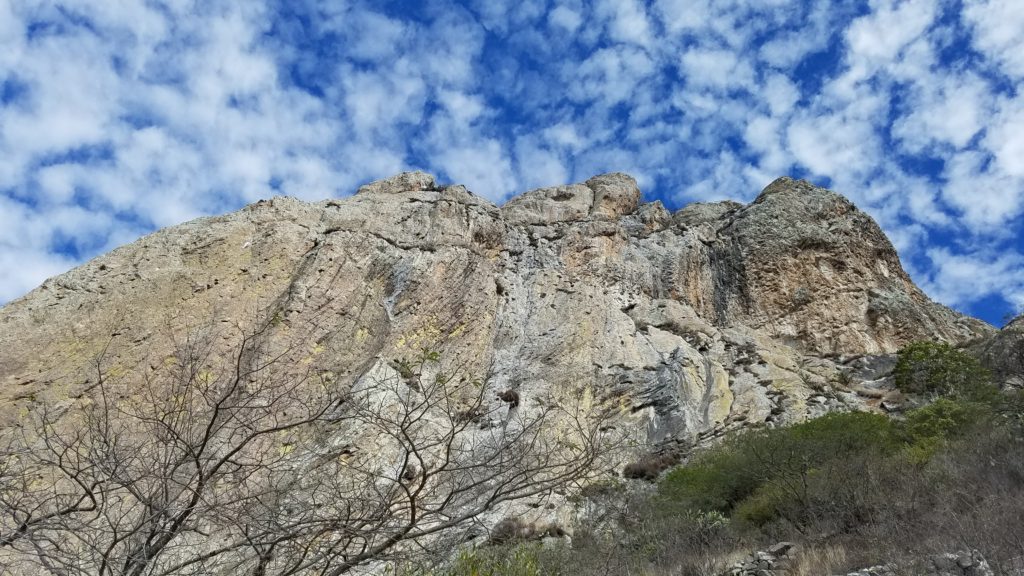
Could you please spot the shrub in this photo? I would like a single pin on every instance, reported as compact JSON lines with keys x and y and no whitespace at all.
{"x":516,"y":561}
{"x":649,"y":466}
{"x":938,"y":369}
{"x":760,"y":476}
{"x":714,"y":480}
{"x":942,"y":419}
{"x":509,"y":530}
{"x":762,"y":506}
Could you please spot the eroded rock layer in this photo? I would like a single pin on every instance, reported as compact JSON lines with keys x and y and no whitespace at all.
{"x":683,"y":324}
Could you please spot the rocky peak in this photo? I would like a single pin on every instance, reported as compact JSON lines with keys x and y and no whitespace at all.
{"x":693,"y":215}
{"x":615,"y":195}
{"x":821,"y":272}
{"x":604,"y":197}
{"x":690,"y":323}
{"x":404,"y":182}
{"x":662,"y":331}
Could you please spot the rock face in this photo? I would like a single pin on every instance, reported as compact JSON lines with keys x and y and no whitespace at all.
{"x":818,"y":272}
{"x":775,"y":561}
{"x":684,"y":324}
{"x":1003,"y":353}
{"x":960,"y":564}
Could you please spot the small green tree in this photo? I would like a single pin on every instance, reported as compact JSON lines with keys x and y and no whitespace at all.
{"x":938,"y":369}
{"x":930,"y":427}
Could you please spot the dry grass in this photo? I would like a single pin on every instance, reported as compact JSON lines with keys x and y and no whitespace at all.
{"x":818,"y":560}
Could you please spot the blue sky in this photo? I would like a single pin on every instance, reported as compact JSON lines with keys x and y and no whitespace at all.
{"x":120,"y":117}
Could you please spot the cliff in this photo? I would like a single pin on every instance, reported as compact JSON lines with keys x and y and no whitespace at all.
{"x":685,"y":323}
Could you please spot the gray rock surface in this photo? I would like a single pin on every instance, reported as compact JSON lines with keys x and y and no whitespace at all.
{"x":777,"y":560}
{"x":1003,"y":353}
{"x":683,"y":325}
{"x":811,"y":269}
{"x":961,"y":564}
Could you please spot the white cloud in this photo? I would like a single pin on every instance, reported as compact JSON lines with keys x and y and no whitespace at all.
{"x":833,"y":144}
{"x":566,"y":136}
{"x":951,"y":111}
{"x":378,"y":37}
{"x":716,"y":68}
{"x":58,"y":118}
{"x":25,"y":256}
{"x":682,"y":15}
{"x":482,"y":166}
{"x":11,"y":31}
{"x":565,"y":18}
{"x":191,"y":109}
{"x":463,"y":108}
{"x":728,"y":177}
{"x":962,"y":278}
{"x":892,"y":25}
{"x":502,"y":15}
{"x":986,"y":199}
{"x":381,"y":98}
{"x":788,"y":50}
{"x":609,"y":75}
{"x":1005,"y":139}
{"x":780,"y":93}
{"x":764,"y":135}
{"x":627,"y":21}
{"x":999,"y":31}
{"x":538,"y":165}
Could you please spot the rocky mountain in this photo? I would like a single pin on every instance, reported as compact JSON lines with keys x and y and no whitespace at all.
{"x":687,"y":322}
{"x":250,"y":393}
{"x":1003,"y":353}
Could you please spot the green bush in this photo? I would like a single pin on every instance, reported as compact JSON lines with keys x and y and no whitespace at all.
{"x":759,"y":476}
{"x":519,"y":560}
{"x":837,"y":435}
{"x":944,"y":418}
{"x":761,"y":507}
{"x":714,"y":480}
{"x":844,"y":479}
{"x":938,"y":369}
{"x":930,"y":427}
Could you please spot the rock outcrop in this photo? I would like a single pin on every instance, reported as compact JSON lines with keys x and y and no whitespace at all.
{"x":777,"y":560}
{"x":685,"y":324}
{"x":781,"y":560}
{"x":1003,"y":353}
{"x":960,"y":564}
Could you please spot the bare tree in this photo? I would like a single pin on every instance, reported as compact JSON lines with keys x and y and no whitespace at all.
{"x":262,"y":465}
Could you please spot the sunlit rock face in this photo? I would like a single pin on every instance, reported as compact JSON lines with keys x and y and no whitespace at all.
{"x":681,"y":326}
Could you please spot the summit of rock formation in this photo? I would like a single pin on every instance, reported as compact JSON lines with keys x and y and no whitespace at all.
{"x":687,"y":322}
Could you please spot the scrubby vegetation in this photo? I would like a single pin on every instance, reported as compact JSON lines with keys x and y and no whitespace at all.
{"x":855,"y":489}
{"x":938,"y":369}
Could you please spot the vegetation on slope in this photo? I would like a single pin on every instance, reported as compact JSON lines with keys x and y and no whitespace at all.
{"x":855,"y":489}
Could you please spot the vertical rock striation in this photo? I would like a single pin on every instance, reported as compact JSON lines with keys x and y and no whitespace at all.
{"x":682,"y":325}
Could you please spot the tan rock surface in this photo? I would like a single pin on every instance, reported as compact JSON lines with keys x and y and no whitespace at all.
{"x":685,"y":325}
